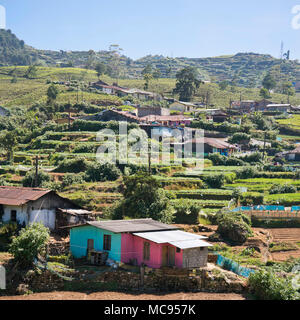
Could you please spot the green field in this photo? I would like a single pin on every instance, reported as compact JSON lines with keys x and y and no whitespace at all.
{"x":29,"y":91}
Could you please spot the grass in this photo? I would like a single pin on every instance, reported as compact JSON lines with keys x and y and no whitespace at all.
{"x":293,"y":122}
{"x":282,"y":246}
{"x":28,"y":91}
{"x":283,"y":199}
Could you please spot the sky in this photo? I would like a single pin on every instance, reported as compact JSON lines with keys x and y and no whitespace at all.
{"x":174,"y":28}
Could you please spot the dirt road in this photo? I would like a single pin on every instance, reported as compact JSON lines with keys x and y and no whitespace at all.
{"x":126,"y":296}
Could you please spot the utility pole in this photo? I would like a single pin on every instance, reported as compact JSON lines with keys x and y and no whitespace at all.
{"x":36,"y":171}
{"x":264,"y":145}
{"x":149,"y":161}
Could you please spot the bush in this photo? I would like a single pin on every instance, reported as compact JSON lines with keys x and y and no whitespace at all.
{"x":85,"y":148}
{"x":187,"y":211}
{"x":29,"y":244}
{"x":279,"y":189}
{"x":7,"y":232}
{"x":143,"y":198}
{"x":266,"y":285}
{"x":42,"y":179}
{"x":246,"y":173}
{"x":102,"y":172}
{"x":214,"y":181}
{"x":217,"y":159}
{"x":73,"y":165}
{"x":70,"y":179}
{"x":234,"y":226}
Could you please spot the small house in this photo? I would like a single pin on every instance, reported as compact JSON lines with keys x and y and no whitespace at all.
{"x":140,"y":242}
{"x":172,"y":121}
{"x":293,"y":155}
{"x":182,"y":106}
{"x":157,"y":111}
{"x":29,"y":205}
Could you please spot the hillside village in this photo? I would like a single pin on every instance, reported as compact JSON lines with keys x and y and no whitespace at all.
{"x":149,"y":226}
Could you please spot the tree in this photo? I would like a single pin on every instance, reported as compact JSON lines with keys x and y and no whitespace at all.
{"x":269,"y":82}
{"x":143,"y":198}
{"x":100,"y":69}
{"x":234,"y":226}
{"x":264,"y":93}
{"x":287,"y":88}
{"x":52,"y":93}
{"x":187,"y":83}
{"x":29,"y":244}
{"x":31,"y":72}
{"x":156,"y":74}
{"x":42,"y":179}
{"x":240,"y":138}
{"x":147,"y":70}
{"x":8,"y":141}
{"x":223,"y":85}
{"x":147,"y":77}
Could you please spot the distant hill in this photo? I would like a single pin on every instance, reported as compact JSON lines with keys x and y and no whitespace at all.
{"x":242,"y":69}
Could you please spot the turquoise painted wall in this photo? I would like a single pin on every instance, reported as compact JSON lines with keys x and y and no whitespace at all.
{"x":79,"y":239}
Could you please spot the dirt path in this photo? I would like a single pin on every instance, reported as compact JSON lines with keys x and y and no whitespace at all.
{"x":286,"y":235}
{"x":126,"y":296}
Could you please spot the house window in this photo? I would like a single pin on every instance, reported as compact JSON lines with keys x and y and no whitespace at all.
{"x":107,"y":243}
{"x":13,"y":215}
{"x":146,"y":251}
{"x":202,"y":249}
{"x":178,"y":250}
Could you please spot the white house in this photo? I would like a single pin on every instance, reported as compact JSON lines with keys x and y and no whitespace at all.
{"x":30,"y":205}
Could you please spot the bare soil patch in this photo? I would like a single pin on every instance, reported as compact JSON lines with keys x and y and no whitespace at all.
{"x":125,"y":296}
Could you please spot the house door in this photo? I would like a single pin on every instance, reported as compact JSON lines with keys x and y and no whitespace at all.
{"x":168,"y":256}
{"x":90,"y":244}
{"x":171,"y":256}
{"x":165,"y":256}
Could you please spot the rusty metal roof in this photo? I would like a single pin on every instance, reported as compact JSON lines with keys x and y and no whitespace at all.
{"x":16,"y":196}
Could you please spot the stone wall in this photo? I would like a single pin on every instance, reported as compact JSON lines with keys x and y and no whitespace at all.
{"x":162,"y":280}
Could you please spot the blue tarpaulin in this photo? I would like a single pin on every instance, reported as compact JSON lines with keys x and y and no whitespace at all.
{"x":233,"y":266}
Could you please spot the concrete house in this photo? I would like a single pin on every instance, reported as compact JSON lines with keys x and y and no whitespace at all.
{"x":142,"y":241}
{"x":182,"y":106}
{"x":157,"y":111}
{"x":293,"y":155}
{"x":29,"y":205}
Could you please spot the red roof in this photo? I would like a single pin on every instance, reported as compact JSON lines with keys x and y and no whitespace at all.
{"x":165,"y":118}
{"x":15,"y":196}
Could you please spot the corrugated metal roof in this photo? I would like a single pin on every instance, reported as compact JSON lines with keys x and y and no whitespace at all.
{"x":179,"y":239}
{"x":190,"y":244}
{"x":124,"y":226}
{"x":15,"y":196}
{"x":167,"y":236}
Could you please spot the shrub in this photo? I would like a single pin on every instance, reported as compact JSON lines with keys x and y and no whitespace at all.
{"x":217,"y":159}
{"x":73,"y":165}
{"x":279,"y":189}
{"x":29,"y":244}
{"x":234,"y":226}
{"x":42,"y":179}
{"x":187,"y":211}
{"x":85,"y":148}
{"x":7,"y":232}
{"x":266,"y":285}
{"x":143,"y":198}
{"x":241,"y":138}
{"x":215,"y":181}
{"x":102,"y":172}
{"x":70,"y":179}
{"x":246,"y":173}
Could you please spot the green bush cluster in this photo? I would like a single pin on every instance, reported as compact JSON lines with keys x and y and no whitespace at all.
{"x":266,"y":285}
{"x":279,"y":189}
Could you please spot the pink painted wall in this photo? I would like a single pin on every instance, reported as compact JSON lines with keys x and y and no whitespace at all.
{"x":132,"y":247}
